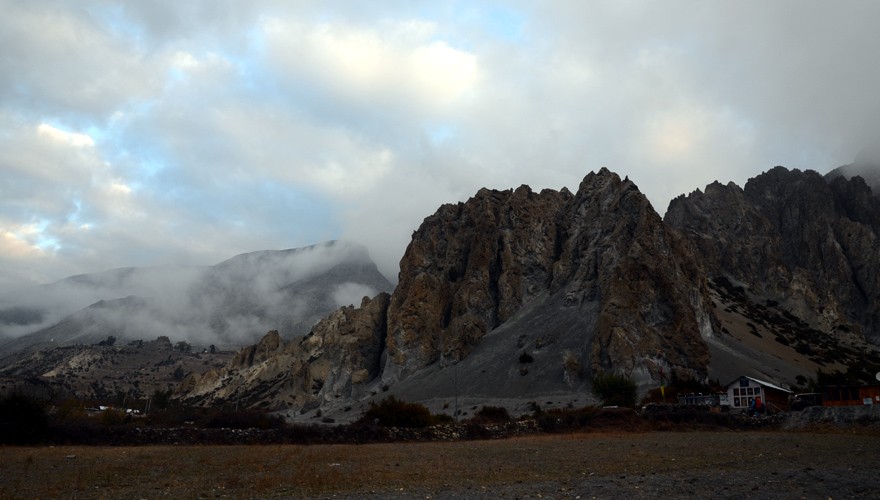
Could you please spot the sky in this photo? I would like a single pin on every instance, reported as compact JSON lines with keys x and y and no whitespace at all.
{"x":161,"y":132}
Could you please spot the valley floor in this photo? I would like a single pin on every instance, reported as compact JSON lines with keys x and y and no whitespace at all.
{"x":723,"y":464}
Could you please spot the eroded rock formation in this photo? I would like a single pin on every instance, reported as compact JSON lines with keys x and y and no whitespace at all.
{"x":472,"y":266}
{"x":793,"y":238}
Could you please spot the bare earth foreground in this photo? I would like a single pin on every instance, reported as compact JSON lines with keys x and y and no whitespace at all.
{"x":588,"y":465}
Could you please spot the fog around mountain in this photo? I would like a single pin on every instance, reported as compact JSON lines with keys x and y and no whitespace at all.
{"x":229,"y":303}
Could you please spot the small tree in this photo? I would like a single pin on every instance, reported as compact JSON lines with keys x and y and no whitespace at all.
{"x":391,"y":412}
{"x":615,"y":390}
{"x":161,"y":399}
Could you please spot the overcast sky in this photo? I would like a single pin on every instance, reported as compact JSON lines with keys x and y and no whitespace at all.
{"x":161,"y":132}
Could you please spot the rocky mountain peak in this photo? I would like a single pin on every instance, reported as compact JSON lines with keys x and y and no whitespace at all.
{"x":794,"y":238}
{"x":474,"y":266}
{"x":468,"y":268}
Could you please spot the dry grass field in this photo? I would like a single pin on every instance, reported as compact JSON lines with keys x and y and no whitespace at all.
{"x":724,"y":464}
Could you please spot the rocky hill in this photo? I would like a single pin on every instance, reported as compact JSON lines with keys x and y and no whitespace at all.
{"x":102,"y":350}
{"x":513,"y":295}
{"x":229,"y":304}
{"x":792,"y":262}
{"x":795,"y":240}
{"x":109,"y":373}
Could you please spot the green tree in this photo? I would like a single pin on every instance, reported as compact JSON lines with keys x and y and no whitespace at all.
{"x":615,"y":390}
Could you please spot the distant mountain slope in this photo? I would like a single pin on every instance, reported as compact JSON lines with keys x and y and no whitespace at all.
{"x":101,"y":373}
{"x":232,"y":303}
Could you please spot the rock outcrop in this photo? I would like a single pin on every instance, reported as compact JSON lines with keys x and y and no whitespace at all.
{"x":468,"y":269}
{"x":795,"y":239}
{"x":472,"y":266}
{"x":333,"y":362}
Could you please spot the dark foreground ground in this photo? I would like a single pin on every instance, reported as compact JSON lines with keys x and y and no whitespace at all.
{"x":717,"y":464}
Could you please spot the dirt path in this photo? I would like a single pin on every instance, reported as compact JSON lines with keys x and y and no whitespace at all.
{"x":607,"y":465}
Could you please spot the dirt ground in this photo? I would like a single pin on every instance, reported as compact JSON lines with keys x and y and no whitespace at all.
{"x":723,"y":464}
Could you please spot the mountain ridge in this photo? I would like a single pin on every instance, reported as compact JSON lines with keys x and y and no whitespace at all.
{"x":231,"y":303}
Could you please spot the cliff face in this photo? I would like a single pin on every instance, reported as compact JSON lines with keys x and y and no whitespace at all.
{"x":472,"y":266}
{"x":793,"y":238}
{"x":468,"y":268}
{"x":653,"y":305}
{"x":333,"y":362}
{"x":583,"y":283}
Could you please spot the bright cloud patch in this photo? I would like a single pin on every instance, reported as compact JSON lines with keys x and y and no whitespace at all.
{"x":355,"y":176}
{"x":16,"y":243}
{"x":71,"y":138}
{"x":401,"y":61}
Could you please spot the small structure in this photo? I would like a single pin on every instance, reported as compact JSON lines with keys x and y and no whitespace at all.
{"x":850,"y":395}
{"x":719,"y":400}
{"x":742,"y":391}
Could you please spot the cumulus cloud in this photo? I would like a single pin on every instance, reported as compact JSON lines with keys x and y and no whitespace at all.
{"x":394,"y":65}
{"x":167,"y":132}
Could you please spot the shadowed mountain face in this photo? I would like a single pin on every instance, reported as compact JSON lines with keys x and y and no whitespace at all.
{"x":232,"y":303}
{"x":512,"y":294}
{"x":792,"y":238}
{"x":603,"y":252}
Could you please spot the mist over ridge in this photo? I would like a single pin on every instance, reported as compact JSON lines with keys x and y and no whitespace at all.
{"x":230,"y":303}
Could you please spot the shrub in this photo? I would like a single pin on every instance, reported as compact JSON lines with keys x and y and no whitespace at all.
{"x":245,"y":419}
{"x":493,"y":414}
{"x":392,"y":412}
{"x":526,"y":358}
{"x":23,"y":419}
{"x":161,"y":399}
{"x":615,"y":390}
{"x":112,"y":416}
{"x":69,"y":409}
